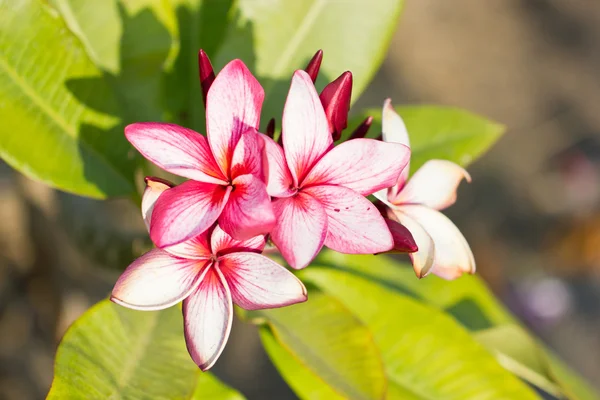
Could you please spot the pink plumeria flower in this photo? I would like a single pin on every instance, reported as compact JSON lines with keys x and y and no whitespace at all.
{"x":226,"y":171}
{"x":209,"y":273}
{"x":416,"y":204}
{"x":319,"y":190}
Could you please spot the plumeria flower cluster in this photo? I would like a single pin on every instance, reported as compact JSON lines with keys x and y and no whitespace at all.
{"x":301,"y":192}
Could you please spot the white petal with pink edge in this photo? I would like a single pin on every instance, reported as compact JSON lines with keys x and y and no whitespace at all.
{"x":207,"y":316}
{"x":300,"y":228}
{"x":157,"y":280}
{"x":279,"y":179}
{"x":232,"y":107}
{"x":248,"y":212}
{"x":221,"y":242}
{"x":354,"y":225}
{"x":154,"y":188}
{"x":363,"y":165}
{"x":453,"y":256}
{"x":257,"y":282}
{"x":175,"y":149}
{"x":394,"y":131}
{"x":433,"y":185}
{"x":197,"y":247}
{"x":305,"y":130}
{"x":185,"y":211}
{"x":249,"y":156}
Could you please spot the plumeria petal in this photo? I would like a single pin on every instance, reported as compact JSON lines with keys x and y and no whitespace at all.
{"x":403,"y":239}
{"x":248,"y":212}
{"x":233,"y":105}
{"x":279,"y":179}
{"x":257,"y":282}
{"x":248,"y":156}
{"x":363,"y":165}
{"x":305,"y":129}
{"x":185,"y":211}
{"x":453,"y":256}
{"x":300,"y":229}
{"x":154,"y":188}
{"x":394,"y":131}
{"x":221,"y":243}
{"x":433,"y":185}
{"x":175,"y":149}
{"x":354,"y":225}
{"x":208,"y":315}
{"x":422,"y":259}
{"x":197,"y":247}
{"x":156,"y":280}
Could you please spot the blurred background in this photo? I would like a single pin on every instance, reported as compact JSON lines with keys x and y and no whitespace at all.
{"x":531,"y":215}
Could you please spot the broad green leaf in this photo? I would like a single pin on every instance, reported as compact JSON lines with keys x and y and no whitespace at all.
{"x":276,"y":37}
{"x":133,"y":42}
{"x":439,"y":133}
{"x":303,"y":381}
{"x":48,"y":132}
{"x":424,"y":350}
{"x":115,"y":353}
{"x":329,"y":342}
{"x":470,"y":302}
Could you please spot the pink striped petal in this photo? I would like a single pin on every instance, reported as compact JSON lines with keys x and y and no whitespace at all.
{"x":363,"y":165}
{"x":279,"y":179}
{"x":207,"y":315}
{"x":394,"y":131}
{"x":156,"y":280}
{"x":248,"y":156}
{"x":257,"y":282}
{"x":433,"y":185}
{"x":452,"y":255}
{"x":175,"y":149}
{"x":306,"y":136}
{"x":185,"y":211}
{"x":221,"y":243}
{"x":300,"y":228}
{"x":248,"y":212}
{"x":232,"y":107}
{"x":197,"y":247}
{"x":354,"y":225}
{"x":154,"y":188}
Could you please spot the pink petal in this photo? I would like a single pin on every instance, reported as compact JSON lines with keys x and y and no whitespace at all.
{"x":185,"y":211}
{"x":248,"y":212}
{"x":335,"y":98}
{"x":354,"y":225}
{"x":233,"y":106}
{"x":197,"y":247}
{"x":221,"y":243}
{"x":279,"y":179}
{"x":257,"y":282}
{"x":403,"y":239}
{"x":175,"y":149}
{"x":248,"y":156}
{"x":207,"y":315}
{"x":154,"y":188}
{"x":305,"y":129}
{"x":394,"y":131}
{"x":300,"y":229}
{"x":452,"y":255}
{"x":433,"y":185}
{"x":156,"y":280}
{"x":363,"y":165}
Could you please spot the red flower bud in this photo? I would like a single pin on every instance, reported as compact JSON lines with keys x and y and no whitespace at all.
{"x":362,"y":129}
{"x":270,"y":128}
{"x":336,"y":102}
{"x":207,"y":75}
{"x":314,"y":65}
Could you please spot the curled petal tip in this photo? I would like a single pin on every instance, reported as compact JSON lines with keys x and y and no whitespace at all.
{"x":154,"y":181}
{"x":271,"y":128}
{"x":335,"y":98}
{"x":362,"y":130}
{"x":206,"y":73}
{"x":312,"y":69}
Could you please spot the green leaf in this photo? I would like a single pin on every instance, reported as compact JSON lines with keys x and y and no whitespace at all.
{"x":425,"y":351}
{"x":113,"y":352}
{"x":321,"y":338}
{"x":274,"y":38}
{"x":49,"y":133}
{"x":439,"y":133}
{"x":470,"y":302}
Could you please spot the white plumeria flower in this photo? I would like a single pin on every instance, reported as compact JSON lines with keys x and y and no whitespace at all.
{"x":416,"y":204}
